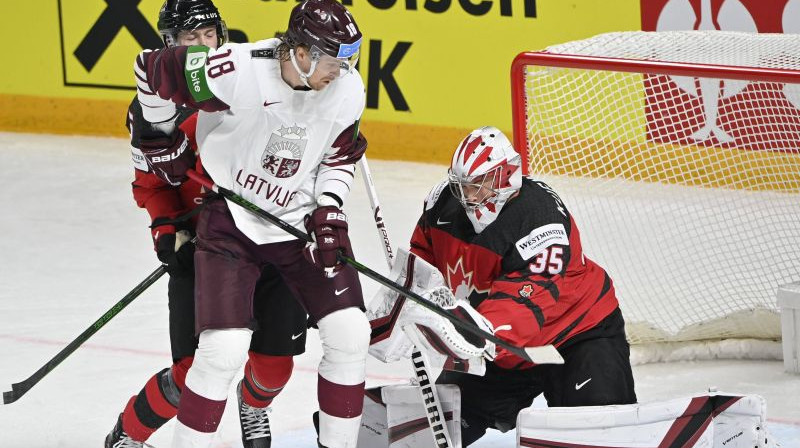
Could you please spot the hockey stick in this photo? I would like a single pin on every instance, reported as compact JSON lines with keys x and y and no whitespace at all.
{"x":430,"y":397}
{"x":544,"y":354}
{"x":376,"y":210}
{"x":19,"y":389}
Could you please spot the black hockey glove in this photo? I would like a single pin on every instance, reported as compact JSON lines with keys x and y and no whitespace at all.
{"x":176,"y":250}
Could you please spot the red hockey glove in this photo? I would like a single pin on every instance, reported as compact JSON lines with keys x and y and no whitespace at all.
{"x":169,"y":156}
{"x":327,"y":226}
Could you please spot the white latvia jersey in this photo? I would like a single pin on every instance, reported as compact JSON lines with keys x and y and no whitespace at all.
{"x":268,"y":147}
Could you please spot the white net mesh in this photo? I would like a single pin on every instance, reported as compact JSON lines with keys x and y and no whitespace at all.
{"x":686,"y":189}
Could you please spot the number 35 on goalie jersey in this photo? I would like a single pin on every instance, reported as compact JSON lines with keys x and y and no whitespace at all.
{"x":526,"y":272}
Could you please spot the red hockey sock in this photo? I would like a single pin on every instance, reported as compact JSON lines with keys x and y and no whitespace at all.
{"x":149,"y":410}
{"x":264,"y":378}
{"x":157,"y":402}
{"x":179,"y":370}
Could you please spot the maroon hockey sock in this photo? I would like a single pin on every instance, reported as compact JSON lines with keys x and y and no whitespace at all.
{"x":340,"y":400}
{"x":200,"y":413}
{"x":264,"y":378}
{"x":149,"y":410}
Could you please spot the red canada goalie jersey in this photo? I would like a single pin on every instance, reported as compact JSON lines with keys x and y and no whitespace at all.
{"x":525,"y":272}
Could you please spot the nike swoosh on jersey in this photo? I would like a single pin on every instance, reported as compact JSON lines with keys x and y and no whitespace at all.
{"x":441,"y":223}
{"x":267,"y":103}
{"x":295,"y":336}
{"x":338,"y":293}
{"x":579,"y":385}
{"x":503,"y":327}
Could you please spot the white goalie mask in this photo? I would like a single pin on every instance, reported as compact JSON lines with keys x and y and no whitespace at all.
{"x":484,"y":174}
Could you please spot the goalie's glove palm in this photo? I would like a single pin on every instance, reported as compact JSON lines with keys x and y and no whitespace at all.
{"x":443,"y":336}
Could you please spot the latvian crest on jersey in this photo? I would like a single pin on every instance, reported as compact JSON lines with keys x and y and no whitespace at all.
{"x":284,"y":151}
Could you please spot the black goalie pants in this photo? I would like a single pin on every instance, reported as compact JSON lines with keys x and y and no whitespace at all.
{"x":596,"y":372}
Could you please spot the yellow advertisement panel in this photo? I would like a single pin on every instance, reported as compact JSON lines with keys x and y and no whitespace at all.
{"x":433,"y":69}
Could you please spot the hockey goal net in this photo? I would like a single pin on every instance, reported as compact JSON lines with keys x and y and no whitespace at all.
{"x":678,"y":153}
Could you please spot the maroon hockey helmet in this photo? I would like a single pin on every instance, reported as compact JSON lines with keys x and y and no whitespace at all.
{"x":325,"y":25}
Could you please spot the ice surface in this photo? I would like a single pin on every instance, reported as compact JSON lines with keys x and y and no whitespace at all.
{"x":72,"y":243}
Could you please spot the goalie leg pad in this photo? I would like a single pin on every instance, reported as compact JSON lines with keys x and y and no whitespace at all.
{"x":394,"y":416}
{"x":729,"y":421}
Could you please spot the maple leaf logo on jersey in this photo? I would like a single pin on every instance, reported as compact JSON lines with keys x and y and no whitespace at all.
{"x":526,"y":290}
{"x":284,"y":151}
{"x":460,"y":282}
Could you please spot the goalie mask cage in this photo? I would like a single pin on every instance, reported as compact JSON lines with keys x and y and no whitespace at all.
{"x":678,"y":153}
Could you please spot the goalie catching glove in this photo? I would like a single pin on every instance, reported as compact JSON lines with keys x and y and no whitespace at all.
{"x":442,"y":336}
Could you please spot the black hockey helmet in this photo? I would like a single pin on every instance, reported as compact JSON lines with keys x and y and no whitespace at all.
{"x":188,"y":15}
{"x":326,"y":25}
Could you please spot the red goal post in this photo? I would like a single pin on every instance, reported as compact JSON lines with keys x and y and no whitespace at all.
{"x":679,"y":155}
{"x":544,"y":59}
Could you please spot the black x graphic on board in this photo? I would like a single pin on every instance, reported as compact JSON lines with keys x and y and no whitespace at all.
{"x":118,"y":14}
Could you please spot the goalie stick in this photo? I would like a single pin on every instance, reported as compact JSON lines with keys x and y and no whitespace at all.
{"x":19,"y":389}
{"x":428,"y":394}
{"x":543,"y":354}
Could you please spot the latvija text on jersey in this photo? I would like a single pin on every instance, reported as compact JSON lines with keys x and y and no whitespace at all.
{"x":271,"y":192}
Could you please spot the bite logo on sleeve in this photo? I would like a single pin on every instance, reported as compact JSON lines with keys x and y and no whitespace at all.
{"x":195,"y":74}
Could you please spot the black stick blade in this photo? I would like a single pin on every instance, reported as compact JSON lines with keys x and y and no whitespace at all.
{"x":9,"y":397}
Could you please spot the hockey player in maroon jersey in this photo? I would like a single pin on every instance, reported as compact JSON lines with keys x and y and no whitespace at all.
{"x":164,"y":129}
{"x":509,"y":245}
{"x":278,"y":125}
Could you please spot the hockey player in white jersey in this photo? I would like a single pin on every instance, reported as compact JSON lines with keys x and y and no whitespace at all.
{"x":281,"y":318}
{"x":278,"y":126}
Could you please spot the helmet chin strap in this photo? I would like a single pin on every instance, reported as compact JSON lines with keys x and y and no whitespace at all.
{"x":303,"y":76}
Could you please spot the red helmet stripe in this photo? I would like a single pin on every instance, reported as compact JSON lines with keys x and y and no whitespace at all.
{"x":460,"y":150}
{"x":470,"y":148}
{"x":482,"y":157}
{"x":505,"y":176}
